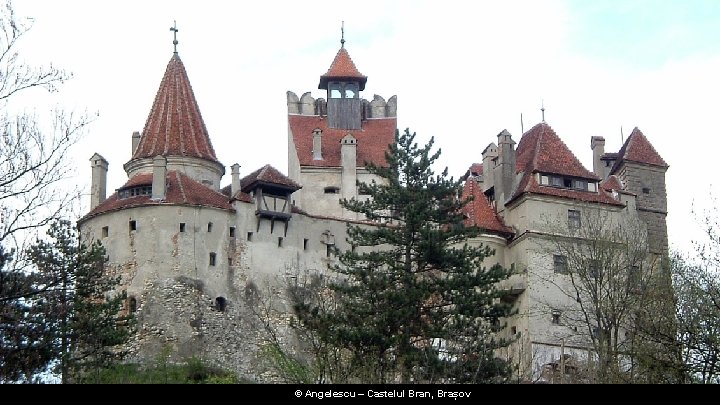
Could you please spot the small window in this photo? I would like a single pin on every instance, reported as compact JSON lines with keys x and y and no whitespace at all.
{"x":560,"y":264}
{"x":513,"y":330}
{"x":182,"y":226}
{"x":544,"y":180}
{"x":646,"y":190}
{"x":567,"y":183}
{"x":249,"y":236}
{"x":105,"y":231}
{"x":305,"y":244}
{"x":332,"y":190}
{"x":280,"y":241}
{"x":556,"y":315}
{"x":209,"y":226}
{"x":212,"y":258}
{"x":607,"y":163}
{"x":220,"y":304}
{"x":592,"y":187}
{"x":230,"y":261}
{"x":133,"y":226}
{"x":132,"y":304}
{"x":328,"y":250}
{"x":574,"y":219}
{"x":232,"y":231}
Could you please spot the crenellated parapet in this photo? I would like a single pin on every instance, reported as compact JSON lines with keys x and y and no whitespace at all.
{"x":308,"y":105}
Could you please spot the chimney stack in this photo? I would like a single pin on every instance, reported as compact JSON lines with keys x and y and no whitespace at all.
{"x":505,"y":169}
{"x":159,"y":178}
{"x":317,"y":144}
{"x":135,"y":142}
{"x":348,"y":160}
{"x":98,"y":185}
{"x":489,"y":155}
{"x":597,"y":145}
{"x":235,"y":187}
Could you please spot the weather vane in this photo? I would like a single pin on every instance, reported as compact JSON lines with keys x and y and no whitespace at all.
{"x":342,"y":35}
{"x":542,"y":109}
{"x":175,"y":31}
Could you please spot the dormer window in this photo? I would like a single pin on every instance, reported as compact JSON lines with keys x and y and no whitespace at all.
{"x":572,"y":183}
{"x":135,"y":191}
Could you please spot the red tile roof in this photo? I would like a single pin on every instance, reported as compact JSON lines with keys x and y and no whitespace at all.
{"x":239,"y":196}
{"x":476,"y":169}
{"x":181,"y":190}
{"x":541,"y":150}
{"x":638,"y":149}
{"x":174,"y":125}
{"x":269,"y":175}
{"x":342,"y":68}
{"x":479,"y":211}
{"x":611,"y":183}
{"x":372,"y":140}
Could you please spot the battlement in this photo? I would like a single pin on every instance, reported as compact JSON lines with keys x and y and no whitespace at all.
{"x":307,"y":105}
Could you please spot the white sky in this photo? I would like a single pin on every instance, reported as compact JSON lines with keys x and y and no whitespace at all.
{"x":463,"y":71}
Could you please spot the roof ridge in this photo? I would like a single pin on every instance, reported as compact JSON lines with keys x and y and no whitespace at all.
{"x":180,"y":186}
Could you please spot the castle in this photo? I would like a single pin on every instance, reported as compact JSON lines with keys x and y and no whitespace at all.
{"x":192,"y":253}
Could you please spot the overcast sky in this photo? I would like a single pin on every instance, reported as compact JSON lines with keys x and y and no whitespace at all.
{"x":462,"y":70}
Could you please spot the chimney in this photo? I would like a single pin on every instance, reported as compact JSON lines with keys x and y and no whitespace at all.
{"x":597,"y":144}
{"x":235,"y":187}
{"x":159,"y":177}
{"x":317,"y":144}
{"x":99,"y":180}
{"x":505,"y":169}
{"x":348,"y":160}
{"x":489,"y":155}
{"x":135,"y":141}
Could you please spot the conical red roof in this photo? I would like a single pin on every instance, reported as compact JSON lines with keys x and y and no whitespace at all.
{"x":540,"y":149}
{"x":638,"y":149}
{"x":175,"y":126}
{"x":342,"y":68}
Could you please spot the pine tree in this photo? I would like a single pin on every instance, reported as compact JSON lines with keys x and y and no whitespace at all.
{"x":25,"y":341}
{"x":83,"y":311}
{"x":416,"y":303}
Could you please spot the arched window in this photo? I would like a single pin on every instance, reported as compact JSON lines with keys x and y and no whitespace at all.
{"x":220,"y":304}
{"x":351,"y":90}
{"x":335,"y":90}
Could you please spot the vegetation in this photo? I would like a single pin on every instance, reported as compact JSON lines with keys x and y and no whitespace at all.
{"x":193,"y":371}
{"x":413,"y":301}
{"x":34,"y":162}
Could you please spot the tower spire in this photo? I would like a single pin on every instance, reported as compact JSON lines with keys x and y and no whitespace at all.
{"x":542,"y":109}
{"x":342,"y":35}
{"x":175,"y":41}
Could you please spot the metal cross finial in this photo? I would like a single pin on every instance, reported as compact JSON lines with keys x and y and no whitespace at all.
{"x":542,"y":109}
{"x":342,"y":35}
{"x":175,"y":31}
